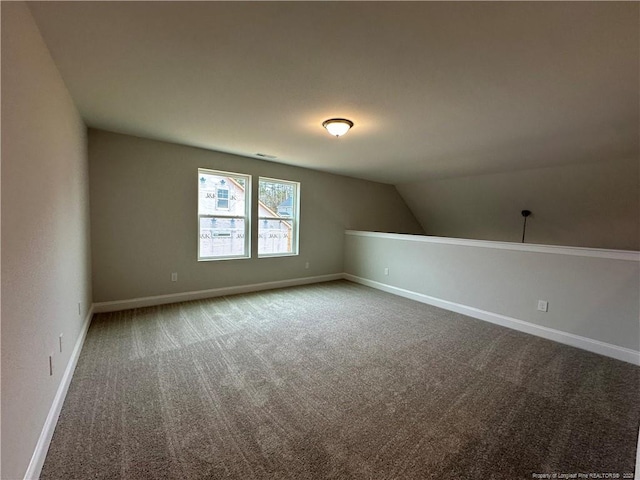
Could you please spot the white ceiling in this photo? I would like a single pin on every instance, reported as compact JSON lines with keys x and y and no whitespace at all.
{"x":435,"y":88}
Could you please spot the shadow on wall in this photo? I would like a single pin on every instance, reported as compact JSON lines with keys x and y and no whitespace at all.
{"x":593,"y":205}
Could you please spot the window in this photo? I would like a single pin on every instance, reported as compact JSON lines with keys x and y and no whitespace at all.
{"x":278,"y":217}
{"x":222,"y":200}
{"x":224,"y":205}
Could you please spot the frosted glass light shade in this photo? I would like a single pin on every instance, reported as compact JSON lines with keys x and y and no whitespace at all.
{"x":337,"y":126}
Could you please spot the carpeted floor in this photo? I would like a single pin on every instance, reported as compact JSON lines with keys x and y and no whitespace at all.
{"x":336,"y":381}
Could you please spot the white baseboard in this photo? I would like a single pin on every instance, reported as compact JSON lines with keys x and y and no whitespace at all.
{"x":637,"y":474}
{"x":214,"y":292}
{"x":42,"y":447}
{"x":40,"y":452}
{"x":595,"y":346}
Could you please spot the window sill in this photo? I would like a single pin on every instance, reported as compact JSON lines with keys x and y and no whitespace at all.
{"x":216,"y":259}
{"x":274,"y":255}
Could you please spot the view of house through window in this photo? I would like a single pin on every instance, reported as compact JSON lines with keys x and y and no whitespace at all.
{"x":224,"y":216}
{"x":278,"y":217}
{"x":224,"y":203}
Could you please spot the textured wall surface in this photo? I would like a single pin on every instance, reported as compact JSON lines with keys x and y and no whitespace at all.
{"x":593,"y":297}
{"x":589,"y":205}
{"x":144,"y":218}
{"x":45,"y":234}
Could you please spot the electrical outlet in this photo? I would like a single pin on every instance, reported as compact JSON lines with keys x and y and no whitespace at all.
{"x":386,"y":271}
{"x":174,"y":277}
{"x":543,"y":305}
{"x":60,"y":342}
{"x":79,"y":309}
{"x":306,"y":265}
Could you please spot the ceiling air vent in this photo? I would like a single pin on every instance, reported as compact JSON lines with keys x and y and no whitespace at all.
{"x":264,"y":155}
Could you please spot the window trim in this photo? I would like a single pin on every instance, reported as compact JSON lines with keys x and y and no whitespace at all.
{"x":247,"y":213}
{"x":294,"y":220}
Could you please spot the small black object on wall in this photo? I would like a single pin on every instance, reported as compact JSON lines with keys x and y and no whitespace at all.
{"x":525,"y":214}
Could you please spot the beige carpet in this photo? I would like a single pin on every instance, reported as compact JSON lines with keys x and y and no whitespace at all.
{"x":338,"y":381}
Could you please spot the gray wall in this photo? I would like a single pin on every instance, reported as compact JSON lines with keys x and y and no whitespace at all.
{"x":144,"y":218}
{"x":590,"y":205}
{"x":45,"y":233}
{"x":596,"y":298}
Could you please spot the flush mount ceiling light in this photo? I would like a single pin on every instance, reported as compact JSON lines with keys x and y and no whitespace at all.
{"x":337,"y":126}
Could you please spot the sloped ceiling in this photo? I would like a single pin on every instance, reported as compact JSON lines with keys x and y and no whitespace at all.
{"x":435,"y":89}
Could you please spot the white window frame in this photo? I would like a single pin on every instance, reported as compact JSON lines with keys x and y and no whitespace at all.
{"x":246,"y":217}
{"x":294,"y":219}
